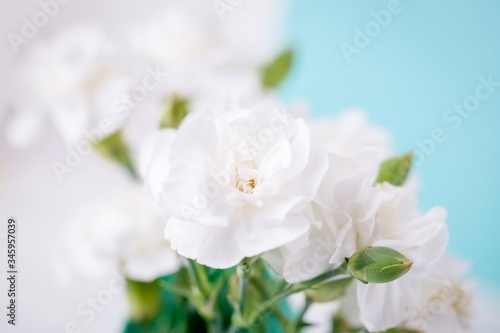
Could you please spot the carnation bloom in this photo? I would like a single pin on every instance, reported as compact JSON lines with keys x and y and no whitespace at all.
{"x":234,"y":184}
{"x":124,"y":233}
{"x":69,"y":81}
{"x":351,"y":214}
{"x":446,"y":304}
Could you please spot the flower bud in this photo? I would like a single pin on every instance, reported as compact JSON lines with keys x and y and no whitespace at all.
{"x":176,"y":111}
{"x":378,"y":265}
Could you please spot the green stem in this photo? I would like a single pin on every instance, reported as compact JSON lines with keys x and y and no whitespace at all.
{"x":175,"y":289}
{"x":199,"y":277}
{"x":198,"y":295}
{"x":244,"y":272}
{"x":290,"y":289}
{"x":262,"y":290}
{"x":195,"y":283}
{"x":201,"y":273}
{"x":242,"y":293}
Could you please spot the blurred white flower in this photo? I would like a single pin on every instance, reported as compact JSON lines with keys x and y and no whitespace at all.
{"x":348,"y":133}
{"x":183,"y":36}
{"x":203,"y":64}
{"x":124,"y":233}
{"x":182,"y":42}
{"x":447,"y":301}
{"x":176,"y":38}
{"x":350,"y":214}
{"x":69,"y":81}
{"x":233,"y":183}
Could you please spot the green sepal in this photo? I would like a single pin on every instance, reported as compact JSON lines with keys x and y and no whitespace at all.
{"x":395,"y":170}
{"x":175,"y":112}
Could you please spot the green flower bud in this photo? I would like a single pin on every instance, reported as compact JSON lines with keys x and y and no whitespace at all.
{"x":176,"y":111}
{"x":378,"y":265}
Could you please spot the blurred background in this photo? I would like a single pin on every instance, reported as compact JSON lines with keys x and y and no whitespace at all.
{"x":408,"y":64}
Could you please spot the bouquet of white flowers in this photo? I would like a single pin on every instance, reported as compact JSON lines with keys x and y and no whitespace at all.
{"x":272,"y":214}
{"x":261,"y":212}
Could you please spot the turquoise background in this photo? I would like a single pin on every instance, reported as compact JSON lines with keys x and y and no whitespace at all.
{"x":426,"y":59}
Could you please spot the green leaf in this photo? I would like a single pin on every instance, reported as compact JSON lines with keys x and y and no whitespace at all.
{"x":276,"y":71}
{"x":144,"y":300}
{"x":378,"y":265}
{"x":176,"y":111}
{"x":329,"y":291}
{"x":395,"y":170}
{"x":114,"y":148}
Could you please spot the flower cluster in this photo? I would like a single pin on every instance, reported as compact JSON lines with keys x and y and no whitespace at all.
{"x":251,"y":182}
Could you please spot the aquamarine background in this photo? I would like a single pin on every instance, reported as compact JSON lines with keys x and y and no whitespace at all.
{"x":428,"y":58}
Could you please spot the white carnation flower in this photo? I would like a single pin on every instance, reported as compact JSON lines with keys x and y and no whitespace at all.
{"x":235,"y":184}
{"x":69,"y":81}
{"x":124,"y":233}
{"x":351,"y":214}
{"x":445,"y":304}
